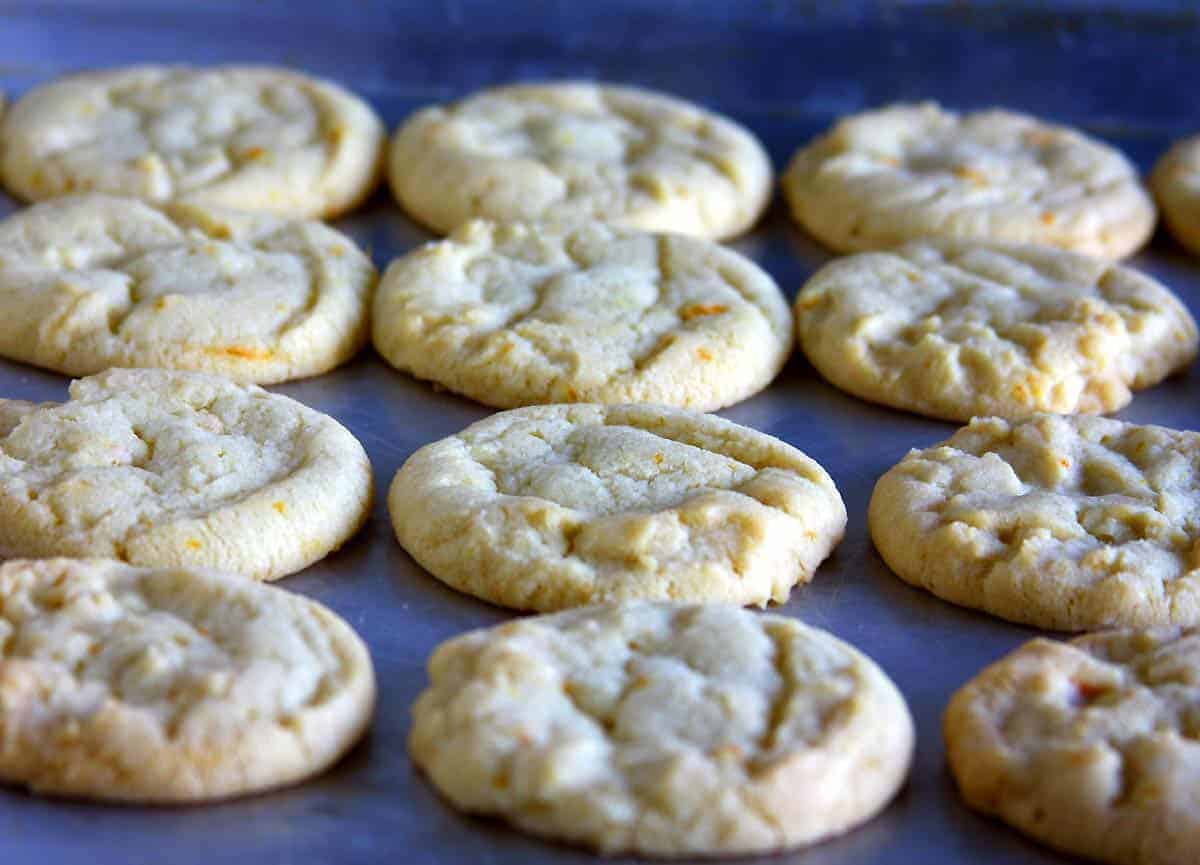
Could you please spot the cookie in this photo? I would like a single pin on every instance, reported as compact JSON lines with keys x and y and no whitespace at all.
{"x":248,"y":137}
{"x":549,"y":507}
{"x":955,"y":330}
{"x":906,"y":172}
{"x":91,"y":282}
{"x":663,"y":729}
{"x":168,"y":685}
{"x":174,"y":469}
{"x":1071,"y":523}
{"x":574,"y":151}
{"x":514,"y":314}
{"x":1091,"y":746}
{"x":1176,"y":185}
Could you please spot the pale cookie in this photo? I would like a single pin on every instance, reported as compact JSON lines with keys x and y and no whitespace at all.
{"x":170,"y":685}
{"x":1176,"y":184}
{"x":180,"y":469}
{"x":1091,"y":746}
{"x":91,"y":282}
{"x":905,"y":172}
{"x":559,"y":506}
{"x":663,"y":729}
{"x":248,"y":137}
{"x":1072,"y":523}
{"x":955,"y":330}
{"x":515,"y":314}
{"x":580,"y":151}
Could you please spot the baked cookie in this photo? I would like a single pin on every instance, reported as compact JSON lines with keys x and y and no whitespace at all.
{"x":1091,"y":746}
{"x":170,"y":685}
{"x":580,"y":151}
{"x":954,"y":330}
{"x":175,"y":469}
{"x":663,"y":729}
{"x":560,"y":506}
{"x":513,"y":314}
{"x":905,"y":172}
{"x":1072,"y":523}
{"x":92,"y":282}
{"x":1176,"y":184}
{"x":248,"y":137}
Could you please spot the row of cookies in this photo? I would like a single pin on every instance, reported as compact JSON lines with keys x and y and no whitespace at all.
{"x":516,"y":314}
{"x":682,"y":730}
{"x":508,"y":314}
{"x":274,"y":140}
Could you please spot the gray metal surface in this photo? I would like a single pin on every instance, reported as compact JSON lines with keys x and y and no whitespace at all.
{"x":784,"y":68}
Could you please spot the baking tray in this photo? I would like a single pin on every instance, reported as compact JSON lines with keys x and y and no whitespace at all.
{"x":786,"y":69}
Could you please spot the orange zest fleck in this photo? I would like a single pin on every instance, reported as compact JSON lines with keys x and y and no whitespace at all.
{"x":696,"y":310}
{"x":242,"y":352}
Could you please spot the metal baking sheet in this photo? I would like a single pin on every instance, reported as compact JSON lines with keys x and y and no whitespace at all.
{"x":784,"y":68}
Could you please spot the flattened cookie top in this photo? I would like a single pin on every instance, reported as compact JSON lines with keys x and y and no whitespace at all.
{"x":249,"y":137}
{"x":180,"y":469}
{"x":560,"y":506}
{"x":957,"y":330}
{"x":169,"y":685}
{"x":1074,"y":523}
{"x":578,"y":151}
{"x":904,"y":172}
{"x":517,"y":314}
{"x":1091,"y":746}
{"x":663,"y":729}
{"x":1176,"y":184}
{"x":90,"y":282}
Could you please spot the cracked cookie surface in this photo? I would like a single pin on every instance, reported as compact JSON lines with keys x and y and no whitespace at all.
{"x":91,"y":282}
{"x":1071,"y":523}
{"x":157,"y":685}
{"x":1091,"y":746}
{"x":663,"y":729}
{"x":956,"y":331}
{"x":549,"y":507}
{"x":580,"y":151}
{"x":1176,"y":184}
{"x":246,"y":137}
{"x":179,"y":469}
{"x":905,"y":172}
{"x":516,"y":314}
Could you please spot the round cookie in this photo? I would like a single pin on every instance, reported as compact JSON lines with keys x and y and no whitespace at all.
{"x":1176,"y":185}
{"x":247,"y":137}
{"x":174,"y":469}
{"x":955,"y":330}
{"x":559,"y":506}
{"x":1070,"y":523}
{"x":574,"y":151}
{"x":163,"y":685}
{"x":907,"y":172}
{"x":663,"y":729}
{"x":91,"y":282}
{"x":1088,"y":746}
{"x":514,"y":314}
